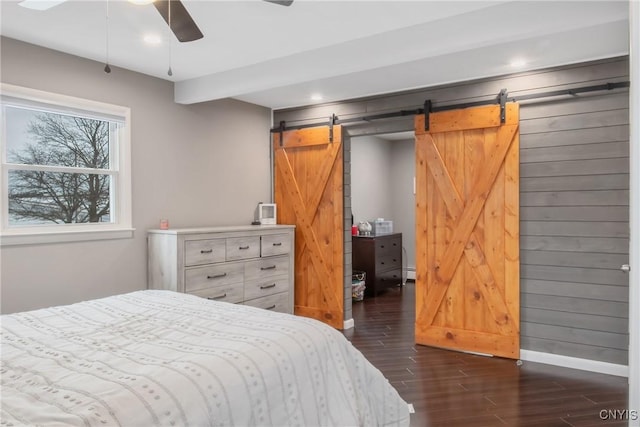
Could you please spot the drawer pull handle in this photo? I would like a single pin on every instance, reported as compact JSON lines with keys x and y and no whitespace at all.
{"x":271,"y":307}
{"x":271,"y":267}
{"x":216,"y":276}
{"x":273,"y":285}
{"x":218,"y":297}
{"x":207,"y":251}
{"x":242,"y":248}
{"x":277,"y":244}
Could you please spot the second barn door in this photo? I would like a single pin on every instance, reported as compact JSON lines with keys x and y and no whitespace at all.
{"x":467,"y":231}
{"x":308,"y":185}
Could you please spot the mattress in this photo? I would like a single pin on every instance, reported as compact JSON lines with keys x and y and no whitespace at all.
{"x":169,"y":359}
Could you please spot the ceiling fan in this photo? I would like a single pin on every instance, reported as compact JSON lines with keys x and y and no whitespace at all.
{"x":172,"y":11}
{"x":181,"y":23}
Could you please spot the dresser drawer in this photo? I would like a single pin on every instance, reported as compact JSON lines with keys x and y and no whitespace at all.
{"x":266,"y":267}
{"x":388,"y":261}
{"x":275,"y":244}
{"x":277,"y":302}
{"x":228,"y":293}
{"x":197,"y":252}
{"x":260,"y":288}
{"x":243,"y":247}
{"x":389,"y":278}
{"x":212,"y":276}
{"x":386,"y":245}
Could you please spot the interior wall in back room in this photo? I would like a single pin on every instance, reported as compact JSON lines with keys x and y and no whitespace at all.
{"x":370,"y":178}
{"x":403,"y":200}
{"x":201,"y":164}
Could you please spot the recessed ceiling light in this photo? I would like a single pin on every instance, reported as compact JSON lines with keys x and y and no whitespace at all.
{"x":518,"y":63}
{"x":142,"y":2}
{"x":152,"y":39}
{"x":316,"y":97}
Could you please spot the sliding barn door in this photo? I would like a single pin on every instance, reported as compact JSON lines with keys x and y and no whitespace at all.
{"x":308,"y":193}
{"x":467,"y":231}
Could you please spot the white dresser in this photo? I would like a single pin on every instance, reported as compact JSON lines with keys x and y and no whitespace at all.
{"x":251,"y":265}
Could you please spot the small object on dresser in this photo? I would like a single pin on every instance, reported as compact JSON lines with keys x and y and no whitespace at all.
{"x":354,"y":230}
{"x":364,"y":228}
{"x":164,"y":224}
{"x":266,"y":213}
{"x":380,"y":227}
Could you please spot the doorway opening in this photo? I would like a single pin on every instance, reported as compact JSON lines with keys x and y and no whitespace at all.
{"x":383,"y":189}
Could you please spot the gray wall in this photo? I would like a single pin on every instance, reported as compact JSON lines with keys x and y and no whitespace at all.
{"x":574,"y":226}
{"x":371,"y":178}
{"x":382,"y":186}
{"x":348,"y":257}
{"x":188,"y":165}
{"x":574,"y":199}
{"x":403,"y":201}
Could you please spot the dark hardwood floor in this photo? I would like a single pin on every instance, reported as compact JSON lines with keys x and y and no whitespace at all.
{"x":450,"y":388}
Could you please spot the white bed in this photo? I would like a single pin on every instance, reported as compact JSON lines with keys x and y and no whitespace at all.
{"x":165,"y":358}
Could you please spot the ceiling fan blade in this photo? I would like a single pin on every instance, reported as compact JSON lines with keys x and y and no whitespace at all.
{"x":281,"y":2}
{"x":182,"y":25}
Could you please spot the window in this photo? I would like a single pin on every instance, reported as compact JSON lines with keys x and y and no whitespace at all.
{"x":65,"y":168}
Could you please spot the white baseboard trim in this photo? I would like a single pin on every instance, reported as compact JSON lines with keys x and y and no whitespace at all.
{"x":348,"y":324}
{"x":575,"y":363}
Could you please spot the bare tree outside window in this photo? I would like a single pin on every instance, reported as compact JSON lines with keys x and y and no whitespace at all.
{"x":65,"y":176}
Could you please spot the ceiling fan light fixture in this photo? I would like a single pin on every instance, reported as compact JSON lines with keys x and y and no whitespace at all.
{"x":40,"y":4}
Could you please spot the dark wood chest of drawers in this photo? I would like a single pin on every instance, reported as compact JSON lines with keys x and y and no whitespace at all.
{"x":380,"y":257}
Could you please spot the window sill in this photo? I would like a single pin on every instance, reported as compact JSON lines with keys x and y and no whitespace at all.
{"x":9,"y":239}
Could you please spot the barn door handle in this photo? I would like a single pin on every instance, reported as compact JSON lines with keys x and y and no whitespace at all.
{"x":625,"y":267}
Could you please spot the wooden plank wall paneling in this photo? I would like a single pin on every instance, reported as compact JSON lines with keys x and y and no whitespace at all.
{"x":574,"y":201}
{"x":348,"y":260}
{"x":574,"y":227}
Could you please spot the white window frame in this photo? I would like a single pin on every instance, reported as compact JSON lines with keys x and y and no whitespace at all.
{"x":120,"y":172}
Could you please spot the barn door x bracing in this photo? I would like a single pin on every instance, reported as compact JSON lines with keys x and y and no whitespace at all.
{"x":467,"y":231}
{"x":309,"y":194}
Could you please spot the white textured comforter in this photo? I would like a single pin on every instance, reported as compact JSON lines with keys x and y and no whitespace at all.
{"x":164,"y":358}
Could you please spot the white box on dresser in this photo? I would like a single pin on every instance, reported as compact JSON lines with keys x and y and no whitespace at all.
{"x":249,"y":264}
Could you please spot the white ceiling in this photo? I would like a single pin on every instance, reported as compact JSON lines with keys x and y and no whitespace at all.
{"x":279,"y":56}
